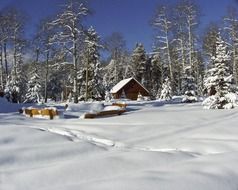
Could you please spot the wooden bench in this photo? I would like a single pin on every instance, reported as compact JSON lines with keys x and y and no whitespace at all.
{"x":103,"y":113}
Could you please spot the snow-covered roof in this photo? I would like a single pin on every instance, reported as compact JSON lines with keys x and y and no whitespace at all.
{"x":122,"y":83}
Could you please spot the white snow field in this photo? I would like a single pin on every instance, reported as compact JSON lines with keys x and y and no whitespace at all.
{"x":150,"y":147}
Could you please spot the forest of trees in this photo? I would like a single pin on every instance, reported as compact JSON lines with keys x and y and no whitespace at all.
{"x":62,"y":61}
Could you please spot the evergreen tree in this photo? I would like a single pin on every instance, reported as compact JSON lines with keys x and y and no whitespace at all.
{"x":156,"y":74}
{"x":55,"y":86}
{"x":166,"y":92}
{"x":16,"y":88}
{"x":218,"y":81}
{"x":33,"y":94}
{"x":189,"y":87}
{"x":138,"y":61}
{"x":92,"y":80}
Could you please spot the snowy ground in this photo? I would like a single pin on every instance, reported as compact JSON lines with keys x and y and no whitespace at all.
{"x":153,"y":146}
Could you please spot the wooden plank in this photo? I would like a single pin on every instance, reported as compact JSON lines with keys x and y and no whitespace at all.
{"x":104,"y":113}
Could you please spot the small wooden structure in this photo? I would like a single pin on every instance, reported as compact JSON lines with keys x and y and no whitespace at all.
{"x":130,"y":88}
{"x":45,"y":112}
{"x":107,"y":113}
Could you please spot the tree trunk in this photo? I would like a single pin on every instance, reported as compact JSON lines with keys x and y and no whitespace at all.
{"x":46,"y":76}
{"x":75,"y":89}
{"x":87,"y":65}
{"x":37,"y":55}
{"x":235,"y":65}
{"x":5,"y":58}
{"x":15,"y":57}
{"x":169,"y":61}
{"x":2,"y":69}
{"x":190,"y":45}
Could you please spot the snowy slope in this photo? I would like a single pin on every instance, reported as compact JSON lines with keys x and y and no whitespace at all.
{"x":153,"y":146}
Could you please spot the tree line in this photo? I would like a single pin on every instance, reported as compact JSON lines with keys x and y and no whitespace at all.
{"x":63,"y":59}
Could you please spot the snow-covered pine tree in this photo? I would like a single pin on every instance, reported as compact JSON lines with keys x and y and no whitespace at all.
{"x":55,"y":86}
{"x":166,"y":92}
{"x":138,"y":61}
{"x":114,"y":72}
{"x":16,"y":88}
{"x":110,"y":75}
{"x":189,"y":87}
{"x":34,"y":90}
{"x":115,"y":45}
{"x":156,"y":72}
{"x":92,"y":66}
{"x":218,"y":81}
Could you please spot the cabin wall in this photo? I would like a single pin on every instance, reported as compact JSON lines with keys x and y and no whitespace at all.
{"x":131,"y":90}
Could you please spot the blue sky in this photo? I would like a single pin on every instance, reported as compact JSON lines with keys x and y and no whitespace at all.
{"x":130,"y":17}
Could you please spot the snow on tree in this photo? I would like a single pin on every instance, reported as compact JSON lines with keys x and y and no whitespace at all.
{"x":231,"y":27}
{"x":15,"y":88}
{"x":115,"y":45}
{"x":138,"y":61}
{"x":166,"y":92}
{"x":71,"y":35}
{"x":107,"y":96}
{"x":156,"y":74}
{"x":33,"y":94}
{"x":163,"y":25}
{"x":114,"y":72}
{"x":91,"y":78}
{"x":189,"y":87}
{"x":55,"y":86}
{"x":13,"y":47}
{"x":218,"y":82}
{"x":110,"y":75}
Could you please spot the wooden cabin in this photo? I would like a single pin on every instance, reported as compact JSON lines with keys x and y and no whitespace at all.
{"x":128,"y":88}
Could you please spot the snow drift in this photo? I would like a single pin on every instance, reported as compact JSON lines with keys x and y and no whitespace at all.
{"x":170,"y":147}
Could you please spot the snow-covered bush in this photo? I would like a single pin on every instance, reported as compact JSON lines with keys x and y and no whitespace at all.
{"x":189,"y":97}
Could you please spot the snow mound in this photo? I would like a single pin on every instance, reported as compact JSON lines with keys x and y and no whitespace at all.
{"x":108,"y":108}
{"x":83,"y":107}
{"x":77,"y":110}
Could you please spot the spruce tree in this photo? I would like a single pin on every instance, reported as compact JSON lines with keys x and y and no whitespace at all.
{"x":92,"y":79}
{"x":33,"y":94}
{"x":218,"y":81}
{"x":138,"y":61}
{"x":189,"y":87}
{"x":166,"y":92}
{"x":156,"y":74}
